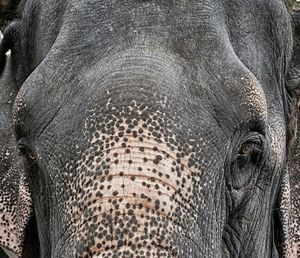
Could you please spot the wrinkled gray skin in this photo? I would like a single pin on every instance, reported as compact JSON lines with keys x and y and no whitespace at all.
{"x":155,"y":128}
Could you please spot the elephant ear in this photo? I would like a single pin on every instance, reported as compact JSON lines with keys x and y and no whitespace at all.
{"x":289,"y":201}
{"x":15,"y":199}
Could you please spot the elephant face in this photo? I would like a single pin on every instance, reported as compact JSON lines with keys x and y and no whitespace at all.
{"x":154,"y":129}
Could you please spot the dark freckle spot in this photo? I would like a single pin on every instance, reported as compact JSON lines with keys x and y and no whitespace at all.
{"x":132,"y":178}
{"x":115,"y":193}
{"x":99,"y":194}
{"x":140,"y":169}
{"x":123,"y":145}
{"x":145,"y":159}
{"x":123,"y":186}
{"x":141,"y":138}
{"x":127,"y":151}
{"x":157,"y":159}
{"x":130,"y":161}
{"x":141,"y":149}
{"x":156,"y":186}
{"x":121,"y":173}
{"x":140,"y":131}
{"x":115,"y":154}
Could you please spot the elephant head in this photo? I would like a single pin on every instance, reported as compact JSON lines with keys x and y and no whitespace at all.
{"x":154,"y":128}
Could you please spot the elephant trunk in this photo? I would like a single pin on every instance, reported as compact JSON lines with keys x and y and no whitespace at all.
{"x":135,"y":195}
{"x":130,"y":197}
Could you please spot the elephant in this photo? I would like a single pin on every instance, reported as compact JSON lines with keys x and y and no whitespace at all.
{"x":150,"y":129}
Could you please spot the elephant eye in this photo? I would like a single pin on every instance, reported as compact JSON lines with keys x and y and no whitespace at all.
{"x":247,"y":161}
{"x":250,"y":151}
{"x":24,"y":148}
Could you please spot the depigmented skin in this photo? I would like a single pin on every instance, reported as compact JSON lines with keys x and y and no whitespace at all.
{"x":163,"y":133}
